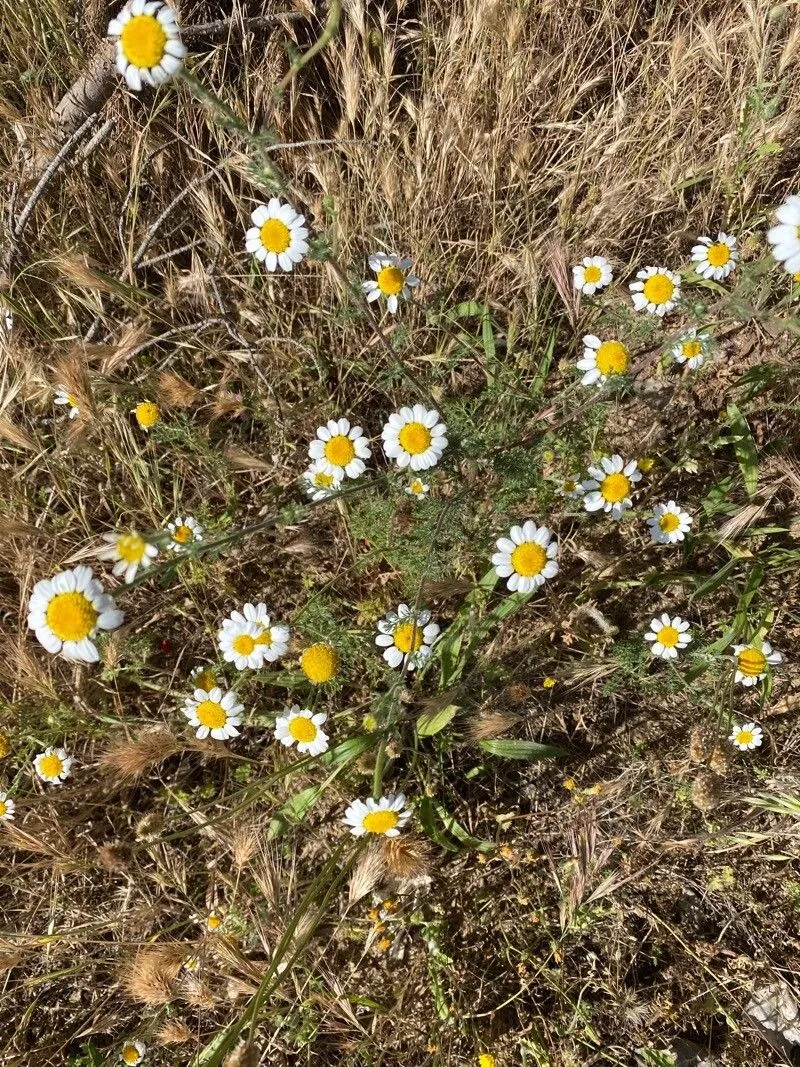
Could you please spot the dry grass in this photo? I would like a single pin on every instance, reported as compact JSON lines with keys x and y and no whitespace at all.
{"x":496,"y":143}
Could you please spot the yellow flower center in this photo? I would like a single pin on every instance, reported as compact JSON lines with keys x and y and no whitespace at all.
{"x":796,"y":277}
{"x":744,"y":737}
{"x":275,"y":236}
{"x":417,"y":487}
{"x":205,"y":680}
{"x":5,"y":746}
{"x":570,"y":485}
{"x":408,"y":637}
{"x":214,"y":921}
{"x":211,"y":714}
{"x":668,"y":636}
{"x":691,"y":349}
{"x":669,"y":523}
{"x":302,"y":729}
{"x":319,"y":663}
{"x":592,"y":274}
{"x":143,"y":40}
{"x":718,"y":254}
{"x":528,"y":559}
{"x":390,"y":280}
{"x":3,"y":808}
{"x":752,"y":662}
{"x":612,"y":358}
{"x":244,"y":644}
{"x":71,"y":616}
{"x":147,"y":414}
{"x":614,"y":488}
{"x":378,"y":822}
{"x":130,"y":1054}
{"x":340,"y":450}
{"x":183,"y":534}
{"x":264,"y":638}
{"x":51,"y":766}
{"x":658,"y":289}
{"x":486,"y":1059}
{"x":323,"y":480}
{"x":131,"y":548}
{"x":415,"y":438}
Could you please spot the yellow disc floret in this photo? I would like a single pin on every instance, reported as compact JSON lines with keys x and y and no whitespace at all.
{"x":669,"y":522}
{"x":615,"y":487}
{"x":751,"y":662}
{"x":718,"y":254}
{"x":319,"y":663}
{"x":71,"y":616}
{"x":668,"y":636}
{"x":51,"y":766}
{"x":211,"y":714}
{"x":528,"y":559}
{"x":143,"y":41}
{"x":302,"y":729}
{"x":5,"y":745}
{"x":183,"y":534}
{"x":658,"y":289}
{"x":612,"y":358}
{"x":244,"y":644}
{"x":592,"y":274}
{"x":275,"y":236}
{"x":408,"y":637}
{"x":131,"y":548}
{"x":147,"y":414}
{"x":378,"y":822}
{"x":340,"y":450}
{"x":691,"y":349}
{"x":414,"y":438}
{"x":390,"y":281}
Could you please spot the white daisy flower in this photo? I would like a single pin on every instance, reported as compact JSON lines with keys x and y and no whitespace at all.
{"x":249,"y":639}
{"x":7,"y":807}
{"x":386,"y":816}
{"x":416,"y":487}
{"x":691,"y":349}
{"x":610,"y":485}
{"x":669,"y":523}
{"x":214,"y":713}
{"x":414,"y":437}
{"x":668,"y":636}
{"x":66,"y":398}
{"x":301,"y":726}
{"x":148,"y":43}
{"x":278,"y":235}
{"x":406,"y":636}
{"x":66,"y":612}
{"x":570,"y":488}
{"x":184,"y":532}
{"x":320,"y":481}
{"x":752,"y":662}
{"x":657,"y":291}
{"x":715,"y":259}
{"x":785,"y":237}
{"x":391,"y":281}
{"x":602,"y":360}
{"x":53,"y":765}
{"x":747,"y":736}
{"x":133,"y":1052}
{"x":340,"y":448}
{"x":129,"y":551}
{"x":527,"y":557}
{"x":593,"y":273}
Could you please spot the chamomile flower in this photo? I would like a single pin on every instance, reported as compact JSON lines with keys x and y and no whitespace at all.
{"x":602,"y":360}
{"x":715,"y":259}
{"x":185,"y":532}
{"x":405,"y":636}
{"x":148,"y":43}
{"x":214,"y":713}
{"x":248,"y":638}
{"x":668,"y":636}
{"x":752,"y":662}
{"x":414,"y":437}
{"x":785,"y":237}
{"x":593,"y":273}
{"x":66,"y":398}
{"x":340,"y":448}
{"x":669,"y":523}
{"x":320,"y":481}
{"x":7,"y":807}
{"x":657,"y":290}
{"x":691,"y":349}
{"x":53,"y":765}
{"x":386,"y":816}
{"x":527,"y":557}
{"x":129,"y":552}
{"x":610,"y":486}
{"x":302,"y":727}
{"x":66,"y":612}
{"x":570,"y":488}
{"x":747,"y":736}
{"x":319,"y":663}
{"x":133,"y":1052}
{"x":278,"y":235}
{"x":392,"y":280}
{"x":205,"y":678}
{"x":213,"y":921}
{"x":147,"y":415}
{"x":416,"y":487}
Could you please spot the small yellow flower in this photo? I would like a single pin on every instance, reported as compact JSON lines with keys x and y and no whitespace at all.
{"x":570,"y":783}
{"x":319,"y":663}
{"x":213,"y":921}
{"x":385,"y":943}
{"x":486,"y":1059}
{"x":5,"y":745}
{"x":646,"y":464}
{"x":507,"y":852}
{"x":147,"y":414}
{"x":796,"y":277}
{"x":549,"y":682}
{"x":370,"y":723}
